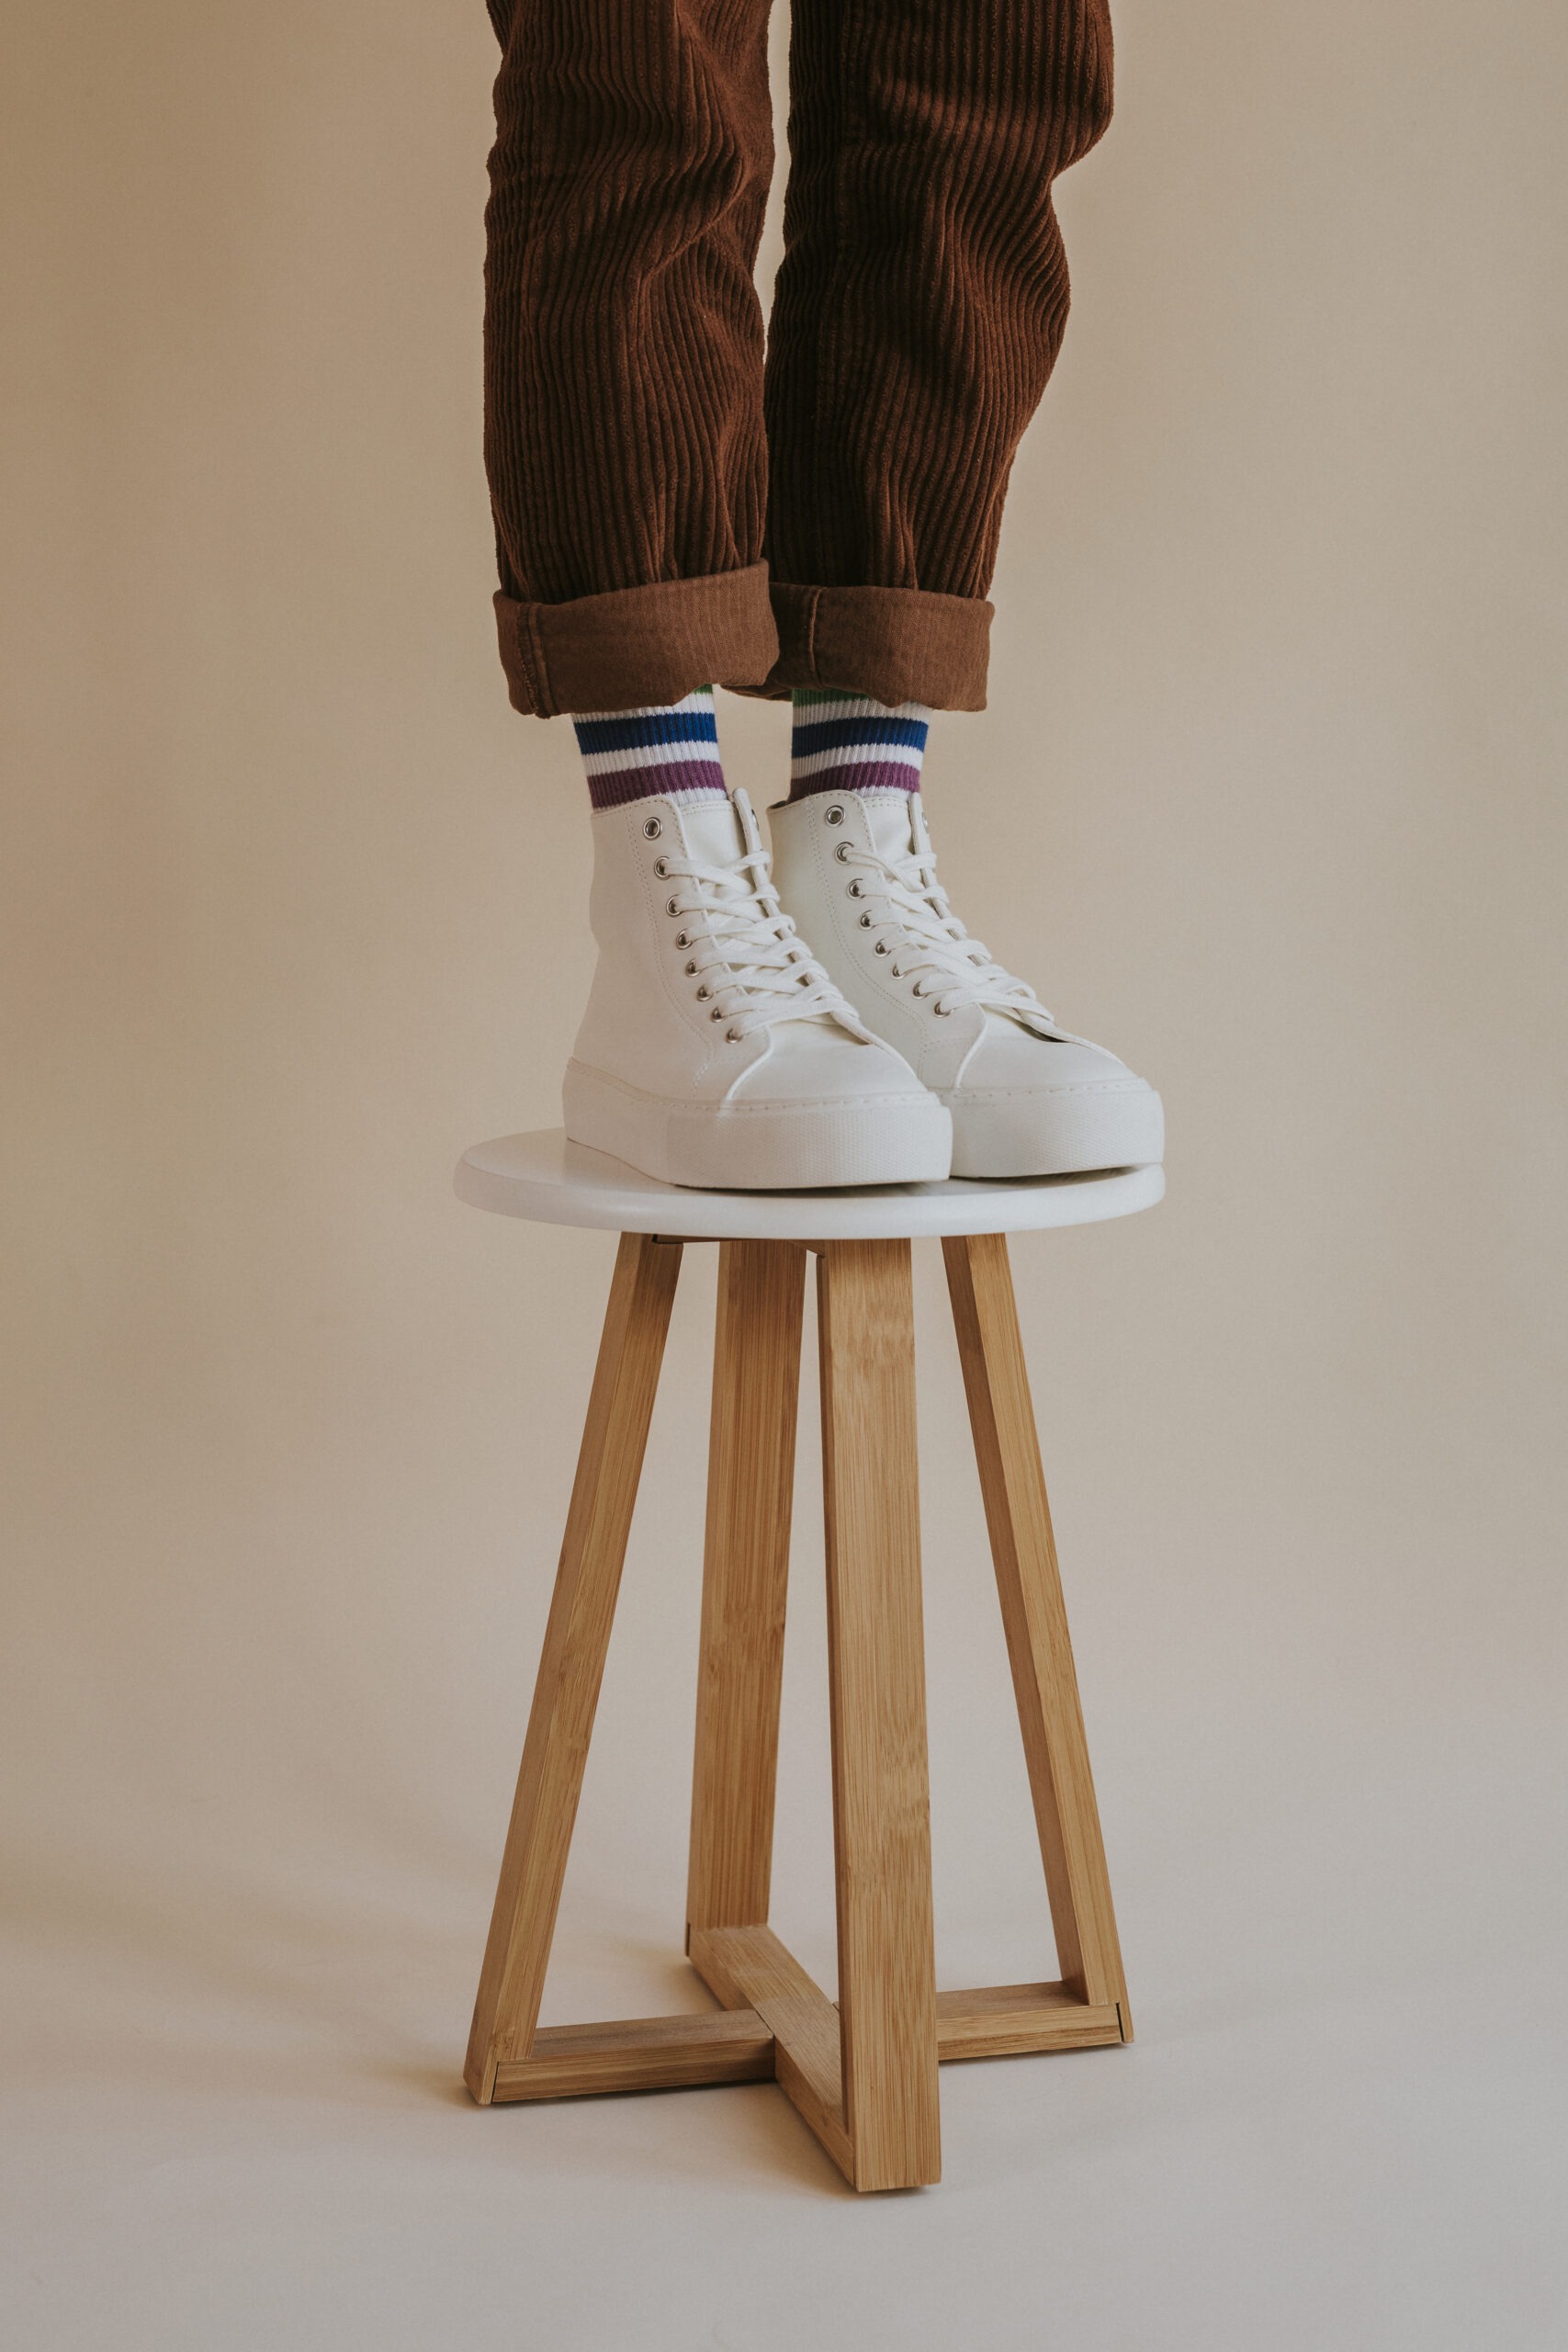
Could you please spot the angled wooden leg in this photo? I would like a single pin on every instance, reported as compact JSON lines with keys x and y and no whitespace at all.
{"x":756,"y":1389}
{"x":1035,"y":1618}
{"x":572,"y":1666}
{"x":876,"y":1669}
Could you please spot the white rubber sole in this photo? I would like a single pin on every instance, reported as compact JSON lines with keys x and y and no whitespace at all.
{"x":761,"y":1147}
{"x":1055,"y":1131}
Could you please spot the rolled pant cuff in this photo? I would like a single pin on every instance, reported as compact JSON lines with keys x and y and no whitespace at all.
{"x":633,"y":646}
{"x":894,"y":644}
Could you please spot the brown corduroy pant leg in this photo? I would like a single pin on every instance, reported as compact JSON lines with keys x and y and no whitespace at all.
{"x":669,"y":512}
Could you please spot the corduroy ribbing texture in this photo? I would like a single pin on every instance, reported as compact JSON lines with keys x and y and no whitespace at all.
{"x":630,"y":442}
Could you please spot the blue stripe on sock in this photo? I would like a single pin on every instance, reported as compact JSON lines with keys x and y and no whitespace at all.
{"x":853,"y":734}
{"x":630,"y":733}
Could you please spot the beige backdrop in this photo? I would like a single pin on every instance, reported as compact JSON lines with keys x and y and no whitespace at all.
{"x":1268,"y":796}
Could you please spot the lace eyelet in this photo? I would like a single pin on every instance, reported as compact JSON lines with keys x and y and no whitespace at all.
{"x":897,"y":975}
{"x":881,"y":948}
{"x":690,"y":969}
{"x":834,"y":816}
{"x":661,"y":866}
{"x":652,"y":829}
{"x":733,"y":1037}
{"x":704,"y":993}
{"x":941,"y":1011}
{"x":865,"y":922}
{"x":671,"y":906}
{"x":842,"y":853}
{"x":856,"y":891}
{"x":683,"y":939}
{"x":716,"y":1014}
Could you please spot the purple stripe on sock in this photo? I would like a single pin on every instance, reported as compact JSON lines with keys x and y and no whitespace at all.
{"x":615,"y":788}
{"x":864,"y":775}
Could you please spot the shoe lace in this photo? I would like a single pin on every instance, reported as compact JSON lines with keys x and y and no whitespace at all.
{"x":907,"y":908}
{"x":752,"y":964}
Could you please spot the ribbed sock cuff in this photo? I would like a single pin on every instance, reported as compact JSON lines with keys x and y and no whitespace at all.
{"x":663,"y":749}
{"x":850,"y":743}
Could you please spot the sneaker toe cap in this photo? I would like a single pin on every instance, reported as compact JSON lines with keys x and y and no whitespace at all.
{"x":817,"y":1065}
{"x":1027,"y":1105}
{"x":1008,"y":1056}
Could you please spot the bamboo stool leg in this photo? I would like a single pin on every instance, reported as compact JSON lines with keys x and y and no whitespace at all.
{"x":1028,"y":1583}
{"x":876,"y":1667}
{"x":756,"y":1391}
{"x":572,"y":1664}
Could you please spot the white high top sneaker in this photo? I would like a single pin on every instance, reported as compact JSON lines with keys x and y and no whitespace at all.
{"x":857,"y":871}
{"x":715,"y":1050}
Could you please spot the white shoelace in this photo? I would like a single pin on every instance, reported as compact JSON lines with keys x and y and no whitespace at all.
{"x":907,"y":908}
{"x":751,"y":965}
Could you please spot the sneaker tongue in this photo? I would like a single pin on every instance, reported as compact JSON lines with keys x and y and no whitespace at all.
{"x":710,"y":827}
{"x":889,"y":820}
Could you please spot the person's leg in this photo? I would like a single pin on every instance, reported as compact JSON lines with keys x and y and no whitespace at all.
{"x":624,"y":446}
{"x":624,"y":437}
{"x":918,"y":313}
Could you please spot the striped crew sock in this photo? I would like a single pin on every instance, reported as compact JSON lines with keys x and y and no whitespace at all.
{"x":667,"y":750}
{"x":849,"y":744}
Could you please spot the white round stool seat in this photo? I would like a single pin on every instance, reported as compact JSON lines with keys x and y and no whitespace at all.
{"x":545,"y":1178}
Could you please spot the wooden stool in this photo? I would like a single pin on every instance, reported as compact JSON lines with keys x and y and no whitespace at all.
{"x":863,"y":2074}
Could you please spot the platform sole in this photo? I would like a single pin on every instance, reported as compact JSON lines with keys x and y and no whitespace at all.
{"x":1055,"y":1131}
{"x":762,"y":1147}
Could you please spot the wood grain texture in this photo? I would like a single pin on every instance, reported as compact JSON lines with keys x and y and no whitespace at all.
{"x":738,"y":2045}
{"x":572,"y":1668}
{"x":756,"y":1390}
{"x":1033,"y":1613}
{"x":863,"y":2074}
{"x":749,"y":1967}
{"x":639,"y":2054}
{"x":1007,"y":2020}
{"x":877,"y":1673}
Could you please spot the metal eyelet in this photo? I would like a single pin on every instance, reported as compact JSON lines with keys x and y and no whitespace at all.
{"x":652,"y":829}
{"x":691,"y":969}
{"x":834,"y":816}
{"x":716,"y":1014}
{"x":897,"y":975}
{"x":881,"y":948}
{"x":733,"y":1037}
{"x":683,"y":939}
{"x":865,"y":922}
{"x":671,"y":906}
{"x":842,"y":853}
{"x":941,"y":1011}
{"x":856,"y":891}
{"x":704,"y":993}
{"x":660,"y":865}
